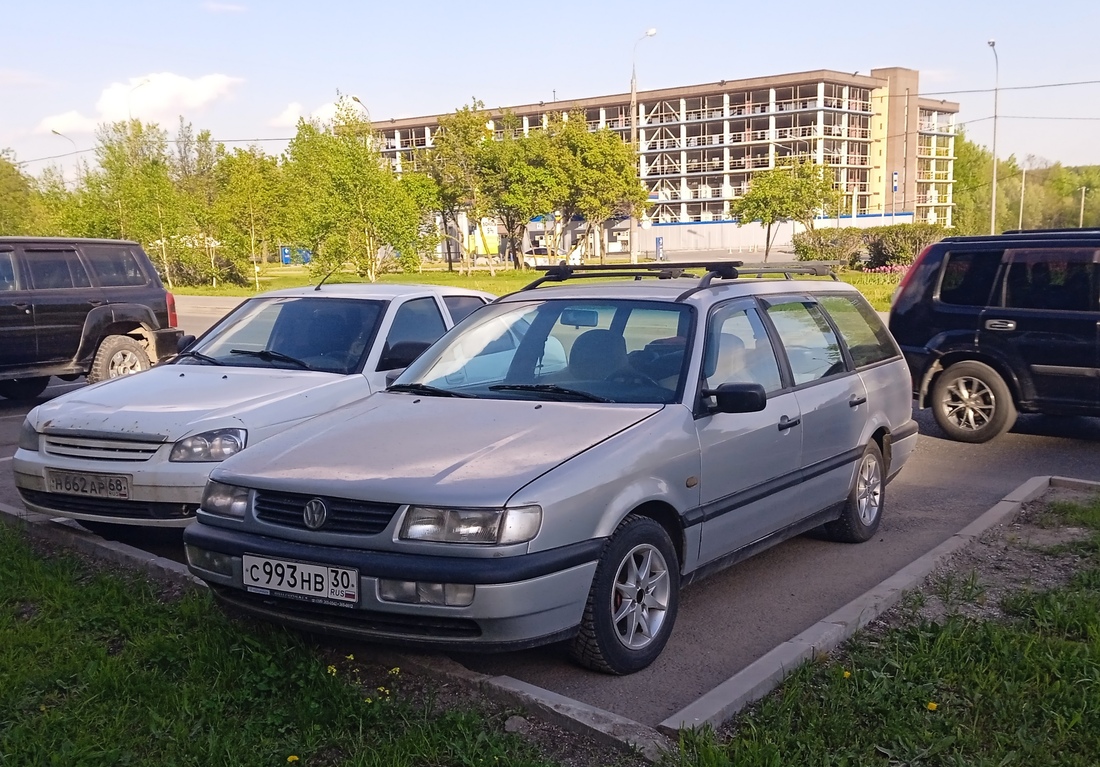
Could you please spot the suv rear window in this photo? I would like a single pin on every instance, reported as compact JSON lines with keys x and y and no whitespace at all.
{"x":1061,"y":278}
{"x":968,"y":277}
{"x":114,"y":265}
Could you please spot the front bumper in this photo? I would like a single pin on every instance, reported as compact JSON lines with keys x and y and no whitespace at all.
{"x":162,"y":494}
{"x":519,"y":601}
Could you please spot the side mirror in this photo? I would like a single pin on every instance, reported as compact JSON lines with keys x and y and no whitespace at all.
{"x":738,"y":398}
{"x":393,"y":375}
{"x":184,"y":342}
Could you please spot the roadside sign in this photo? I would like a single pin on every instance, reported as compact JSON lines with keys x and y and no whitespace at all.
{"x":895,"y":181}
{"x":660,"y":248}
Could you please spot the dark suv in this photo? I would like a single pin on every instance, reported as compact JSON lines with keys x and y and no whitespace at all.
{"x":992,"y":326}
{"x":72,"y":307}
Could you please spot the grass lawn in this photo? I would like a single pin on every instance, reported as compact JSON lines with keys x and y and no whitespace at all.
{"x":100,"y":668}
{"x":876,"y":287}
{"x":1020,"y":688}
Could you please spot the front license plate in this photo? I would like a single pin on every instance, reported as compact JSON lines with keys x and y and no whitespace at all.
{"x":317,"y":583}
{"x":115,"y":486}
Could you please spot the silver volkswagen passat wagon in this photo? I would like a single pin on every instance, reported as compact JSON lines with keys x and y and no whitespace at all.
{"x":560,"y":464}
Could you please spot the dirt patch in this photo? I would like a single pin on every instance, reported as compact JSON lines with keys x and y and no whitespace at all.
{"x":1033,"y":551}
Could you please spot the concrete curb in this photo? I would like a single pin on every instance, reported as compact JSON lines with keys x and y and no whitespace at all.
{"x":765,"y":674}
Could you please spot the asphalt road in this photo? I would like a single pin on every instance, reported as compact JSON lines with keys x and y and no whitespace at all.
{"x":734,"y":617}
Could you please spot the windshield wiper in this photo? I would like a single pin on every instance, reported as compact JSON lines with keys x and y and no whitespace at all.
{"x":272,"y":355}
{"x":200,"y":356}
{"x":550,"y":389}
{"x":431,"y":391}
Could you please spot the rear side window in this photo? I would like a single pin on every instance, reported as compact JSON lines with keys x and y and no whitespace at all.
{"x":461,"y":307}
{"x":52,"y":269}
{"x":7,"y":272}
{"x":811,"y":345}
{"x":417,"y":324}
{"x":1061,"y":278}
{"x":968,"y":277}
{"x":867,"y":338}
{"x":114,"y":265}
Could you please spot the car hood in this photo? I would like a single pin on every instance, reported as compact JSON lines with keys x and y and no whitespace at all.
{"x":399,"y":448}
{"x":167,"y":403}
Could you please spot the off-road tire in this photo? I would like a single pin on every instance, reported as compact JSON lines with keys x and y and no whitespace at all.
{"x":118,"y":356}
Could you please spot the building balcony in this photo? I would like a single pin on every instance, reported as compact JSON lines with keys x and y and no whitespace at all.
{"x":933,"y":175}
{"x":927,"y":126}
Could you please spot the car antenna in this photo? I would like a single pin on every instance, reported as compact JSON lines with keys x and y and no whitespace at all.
{"x":330,"y":273}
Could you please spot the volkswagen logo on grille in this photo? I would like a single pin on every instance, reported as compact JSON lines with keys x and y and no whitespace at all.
{"x":315,"y":513}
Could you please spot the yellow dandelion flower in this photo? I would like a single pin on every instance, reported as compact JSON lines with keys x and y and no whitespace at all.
{"x":847,"y":674}
{"x":395,"y":671}
{"x":292,"y":758}
{"x":42,"y":707}
{"x":931,"y":706}
{"x":332,"y":670}
{"x":367,"y":700}
{"x":350,"y":657}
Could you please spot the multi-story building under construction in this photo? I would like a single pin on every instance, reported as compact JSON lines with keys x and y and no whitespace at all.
{"x":890,"y":149}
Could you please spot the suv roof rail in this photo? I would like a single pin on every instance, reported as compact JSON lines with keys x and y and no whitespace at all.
{"x":1028,"y":234}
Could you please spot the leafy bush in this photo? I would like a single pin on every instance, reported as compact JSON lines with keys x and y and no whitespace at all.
{"x":899,"y":244}
{"x":843,"y":245}
{"x":895,"y":245}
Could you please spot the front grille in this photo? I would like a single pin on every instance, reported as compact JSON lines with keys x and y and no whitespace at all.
{"x":349,"y":620}
{"x":100,"y":449}
{"x":344,"y":515}
{"x":108,"y":507}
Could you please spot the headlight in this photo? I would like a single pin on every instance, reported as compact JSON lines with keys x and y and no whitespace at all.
{"x":28,"y":437}
{"x":214,"y":445}
{"x":423,"y":523}
{"x":225,"y":500}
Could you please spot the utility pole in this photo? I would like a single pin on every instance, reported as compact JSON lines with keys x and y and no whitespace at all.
{"x":996,"y":87}
{"x":1081,"y":215}
{"x":1023,"y":186}
{"x":634,"y":133}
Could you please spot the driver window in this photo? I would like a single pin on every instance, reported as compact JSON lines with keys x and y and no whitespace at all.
{"x":738,"y":351}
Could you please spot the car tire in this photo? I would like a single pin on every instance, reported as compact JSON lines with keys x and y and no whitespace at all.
{"x":862,"y":513}
{"x":118,"y":356}
{"x":609,"y":639}
{"x":972,"y":403}
{"x":23,"y":388}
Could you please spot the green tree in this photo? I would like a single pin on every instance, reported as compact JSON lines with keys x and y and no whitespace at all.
{"x":455,"y":163}
{"x":518,"y":180}
{"x":246,"y":204}
{"x":16,"y":197}
{"x":344,"y":199}
{"x":769,"y":200}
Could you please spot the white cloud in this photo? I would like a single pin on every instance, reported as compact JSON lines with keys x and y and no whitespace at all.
{"x":213,"y":7}
{"x":288,"y":118}
{"x":325,"y":112}
{"x":159,"y":97}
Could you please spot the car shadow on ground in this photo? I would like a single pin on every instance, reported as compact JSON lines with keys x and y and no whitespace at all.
{"x":1077,"y":427}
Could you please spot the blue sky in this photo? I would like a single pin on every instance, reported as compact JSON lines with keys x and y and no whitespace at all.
{"x":245,"y":69}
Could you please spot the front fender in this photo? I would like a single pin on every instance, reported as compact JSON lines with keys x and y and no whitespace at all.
{"x":591,"y":493}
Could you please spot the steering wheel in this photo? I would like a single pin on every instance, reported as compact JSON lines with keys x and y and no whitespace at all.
{"x":628,"y":376}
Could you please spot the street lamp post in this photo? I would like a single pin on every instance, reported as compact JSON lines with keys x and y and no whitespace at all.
{"x":129,"y":110}
{"x":1081,"y":215}
{"x":75,"y":152}
{"x":634,"y":130}
{"x":996,"y":88}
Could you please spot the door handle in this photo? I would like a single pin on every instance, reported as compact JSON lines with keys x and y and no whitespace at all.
{"x":26,"y":307}
{"x":96,"y":302}
{"x":789,"y":423}
{"x":855,"y":400}
{"x":1000,"y":324}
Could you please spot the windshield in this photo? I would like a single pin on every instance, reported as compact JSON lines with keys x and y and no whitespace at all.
{"x":573,"y":350}
{"x":331,"y":335}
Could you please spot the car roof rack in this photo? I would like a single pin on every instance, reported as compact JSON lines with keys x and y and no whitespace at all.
{"x":665,"y":270}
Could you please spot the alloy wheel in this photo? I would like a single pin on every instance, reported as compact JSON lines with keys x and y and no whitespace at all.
{"x":640,"y":600}
{"x":869,"y":489}
{"x":969,"y":403}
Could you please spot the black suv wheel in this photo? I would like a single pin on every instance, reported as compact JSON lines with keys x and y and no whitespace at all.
{"x":972,"y":403}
